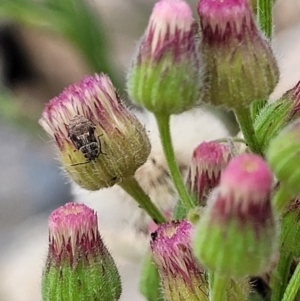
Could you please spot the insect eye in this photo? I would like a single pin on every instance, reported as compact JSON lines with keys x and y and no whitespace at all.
{"x":74,"y":137}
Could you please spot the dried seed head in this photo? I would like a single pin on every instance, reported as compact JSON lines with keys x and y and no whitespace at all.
{"x":165,"y":73}
{"x":92,"y":128}
{"x":240,"y":66}
{"x":78,"y":263}
{"x":236,"y":236}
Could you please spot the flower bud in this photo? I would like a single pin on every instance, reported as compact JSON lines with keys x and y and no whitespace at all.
{"x":273,"y":117}
{"x":99,"y":140}
{"x":182,"y":278}
{"x":283,"y":157}
{"x":208,"y":160}
{"x":78,"y":267}
{"x":240,"y":66}
{"x":292,"y":97}
{"x":164,"y":76}
{"x":236,"y":236}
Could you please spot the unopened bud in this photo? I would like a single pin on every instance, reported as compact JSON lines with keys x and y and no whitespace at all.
{"x":236,"y":236}
{"x":275,"y":116}
{"x":240,"y":66}
{"x":99,"y":140}
{"x":165,"y":74}
{"x":182,"y":278}
{"x":208,"y":160}
{"x":79,"y":266}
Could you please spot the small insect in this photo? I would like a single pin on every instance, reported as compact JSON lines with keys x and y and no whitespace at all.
{"x":81,"y":131}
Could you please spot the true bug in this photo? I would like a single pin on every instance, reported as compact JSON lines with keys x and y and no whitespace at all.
{"x":81,"y":131}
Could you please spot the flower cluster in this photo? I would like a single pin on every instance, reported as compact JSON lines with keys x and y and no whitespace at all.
{"x":242,"y":197}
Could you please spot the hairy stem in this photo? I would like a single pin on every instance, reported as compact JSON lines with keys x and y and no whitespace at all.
{"x":243,"y":116}
{"x":163,"y":122}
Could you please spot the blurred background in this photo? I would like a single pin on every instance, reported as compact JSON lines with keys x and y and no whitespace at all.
{"x":47,"y":45}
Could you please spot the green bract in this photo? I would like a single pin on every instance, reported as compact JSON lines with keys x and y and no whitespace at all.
{"x":284,"y":159}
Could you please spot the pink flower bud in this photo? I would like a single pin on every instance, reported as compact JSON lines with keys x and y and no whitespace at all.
{"x":92,"y":128}
{"x":208,"y":160}
{"x":181,"y":275}
{"x":165,"y":73}
{"x":236,"y":236}
{"x":78,"y":263}
{"x":240,"y":66}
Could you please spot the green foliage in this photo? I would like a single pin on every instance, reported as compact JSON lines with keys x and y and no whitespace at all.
{"x":73,"y":19}
{"x":150,"y":282}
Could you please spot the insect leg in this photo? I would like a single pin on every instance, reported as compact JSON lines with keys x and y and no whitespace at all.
{"x":80,"y":163}
{"x":100,"y":146}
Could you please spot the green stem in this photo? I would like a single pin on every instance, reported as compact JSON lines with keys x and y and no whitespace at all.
{"x":163,"y":122}
{"x":132,"y":187}
{"x":293,"y":286}
{"x":243,"y":116}
{"x":219,"y":288}
{"x":279,"y":278}
{"x":265,"y":21}
{"x":281,"y":199}
{"x":265,"y":16}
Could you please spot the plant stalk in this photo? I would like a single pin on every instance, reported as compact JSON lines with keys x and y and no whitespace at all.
{"x":265,"y":16}
{"x":219,"y":288}
{"x":163,"y":122}
{"x":243,"y":116}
